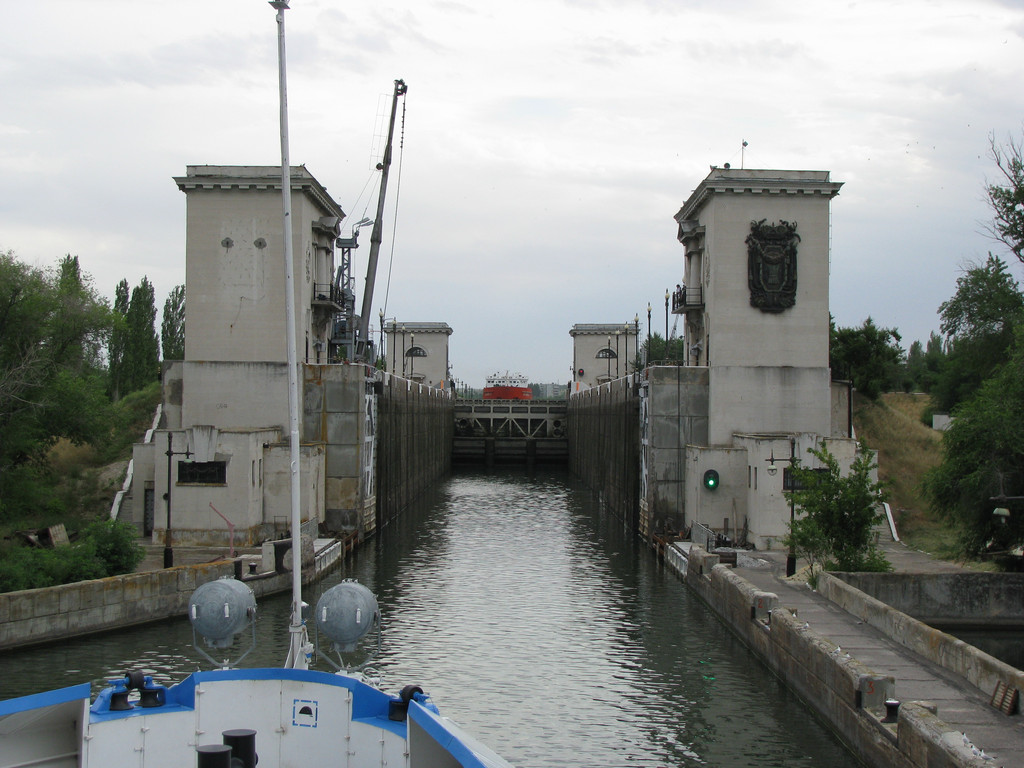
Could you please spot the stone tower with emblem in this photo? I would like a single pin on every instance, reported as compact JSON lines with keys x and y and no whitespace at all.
{"x":756,"y":391}
{"x":755,"y":300}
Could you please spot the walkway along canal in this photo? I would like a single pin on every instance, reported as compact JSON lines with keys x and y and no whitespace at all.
{"x":538,"y":623}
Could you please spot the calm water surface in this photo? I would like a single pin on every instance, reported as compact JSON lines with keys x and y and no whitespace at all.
{"x":531,"y":619}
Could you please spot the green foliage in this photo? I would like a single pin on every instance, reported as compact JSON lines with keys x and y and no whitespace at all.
{"x":660,"y":353}
{"x":142,"y":347}
{"x":172,"y":330}
{"x":115,"y":545}
{"x":839,"y":513}
{"x":118,"y":339}
{"x":106,"y":548}
{"x":984,"y":459}
{"x":130,"y":417}
{"x":979,"y":322}
{"x":53,"y":325}
{"x":869,"y":356}
{"x":925,"y":364}
{"x":24,"y":568}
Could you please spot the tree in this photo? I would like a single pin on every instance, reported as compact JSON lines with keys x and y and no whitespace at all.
{"x":978,"y":323}
{"x":869,"y":356}
{"x":839,"y":513}
{"x":660,"y":353}
{"x":1007,"y":198}
{"x":984,"y":460}
{"x":172,"y":330}
{"x":925,"y":364}
{"x":118,"y":334}
{"x":142,"y":347}
{"x":52,"y":326}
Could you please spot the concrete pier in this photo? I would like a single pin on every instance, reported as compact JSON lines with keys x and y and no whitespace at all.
{"x":846,"y":669}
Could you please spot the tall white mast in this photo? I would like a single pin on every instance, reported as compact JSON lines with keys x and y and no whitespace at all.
{"x":298,"y":646}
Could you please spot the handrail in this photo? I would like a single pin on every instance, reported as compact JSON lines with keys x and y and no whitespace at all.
{"x":684,"y":297}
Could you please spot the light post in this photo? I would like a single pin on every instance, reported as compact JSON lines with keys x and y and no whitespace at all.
{"x":666,"y":324}
{"x":168,"y":548}
{"x":636,"y":340}
{"x":393,"y":329}
{"x":772,"y":470}
{"x":617,"y":332}
{"x":403,"y":350}
{"x":412,"y":356}
{"x":647,"y":354}
{"x":381,"y":356}
{"x":608,"y":357}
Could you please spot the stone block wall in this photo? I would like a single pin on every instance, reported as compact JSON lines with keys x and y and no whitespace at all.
{"x":35,"y":616}
{"x":415,"y":430}
{"x":604,"y":444}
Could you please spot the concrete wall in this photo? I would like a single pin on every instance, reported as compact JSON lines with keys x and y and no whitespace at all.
{"x":234,"y":241}
{"x":768,"y":399}
{"x":34,"y":616}
{"x":676,"y":416}
{"x":724,"y":507}
{"x":339,"y":410}
{"x":415,"y":429}
{"x":234,"y":395}
{"x":842,"y":415}
{"x":923,"y":592}
{"x":39,"y":615}
{"x":604,"y":444}
{"x":845,"y":693}
{"x":948,"y":599}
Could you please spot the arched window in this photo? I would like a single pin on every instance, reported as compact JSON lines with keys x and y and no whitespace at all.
{"x":606,"y":352}
{"x":416,"y":352}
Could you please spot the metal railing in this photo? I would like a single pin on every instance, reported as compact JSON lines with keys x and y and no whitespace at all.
{"x":323,"y":292}
{"x":687,"y":298}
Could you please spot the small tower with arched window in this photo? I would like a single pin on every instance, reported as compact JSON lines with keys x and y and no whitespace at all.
{"x":418,"y":352}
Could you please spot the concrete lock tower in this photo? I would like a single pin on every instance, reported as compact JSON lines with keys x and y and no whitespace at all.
{"x":756,"y":387}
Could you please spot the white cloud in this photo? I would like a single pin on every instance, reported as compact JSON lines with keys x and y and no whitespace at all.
{"x":547,"y":144}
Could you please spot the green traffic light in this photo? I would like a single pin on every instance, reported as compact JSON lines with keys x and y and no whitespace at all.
{"x":711,"y":479}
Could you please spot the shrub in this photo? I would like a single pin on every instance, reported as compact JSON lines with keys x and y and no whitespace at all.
{"x":115,"y":546}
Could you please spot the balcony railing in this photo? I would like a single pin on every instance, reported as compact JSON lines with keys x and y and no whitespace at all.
{"x":327,"y":295}
{"x":684,"y":299}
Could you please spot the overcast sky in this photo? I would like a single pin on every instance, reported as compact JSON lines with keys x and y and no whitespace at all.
{"x":548,"y":143}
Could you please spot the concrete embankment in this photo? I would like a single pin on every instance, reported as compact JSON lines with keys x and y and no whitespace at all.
{"x":33,"y":616}
{"x":799,"y":636}
{"x":977,"y":603}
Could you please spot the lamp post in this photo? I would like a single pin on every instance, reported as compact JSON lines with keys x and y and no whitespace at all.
{"x":617,"y":332}
{"x":412,"y":356}
{"x":647,"y":355}
{"x":168,"y":548}
{"x":608,"y":357}
{"x":403,"y":350}
{"x":625,"y":348}
{"x":666,"y":324}
{"x":394,"y":347}
{"x":636,"y":341}
{"x":772,"y":470}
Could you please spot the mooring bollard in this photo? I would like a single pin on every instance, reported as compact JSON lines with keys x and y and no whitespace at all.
{"x":892,"y":710}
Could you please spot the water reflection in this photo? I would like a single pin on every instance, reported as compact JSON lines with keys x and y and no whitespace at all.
{"x":534,"y":621}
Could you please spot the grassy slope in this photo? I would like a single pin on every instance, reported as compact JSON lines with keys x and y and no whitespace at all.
{"x":906,"y":450}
